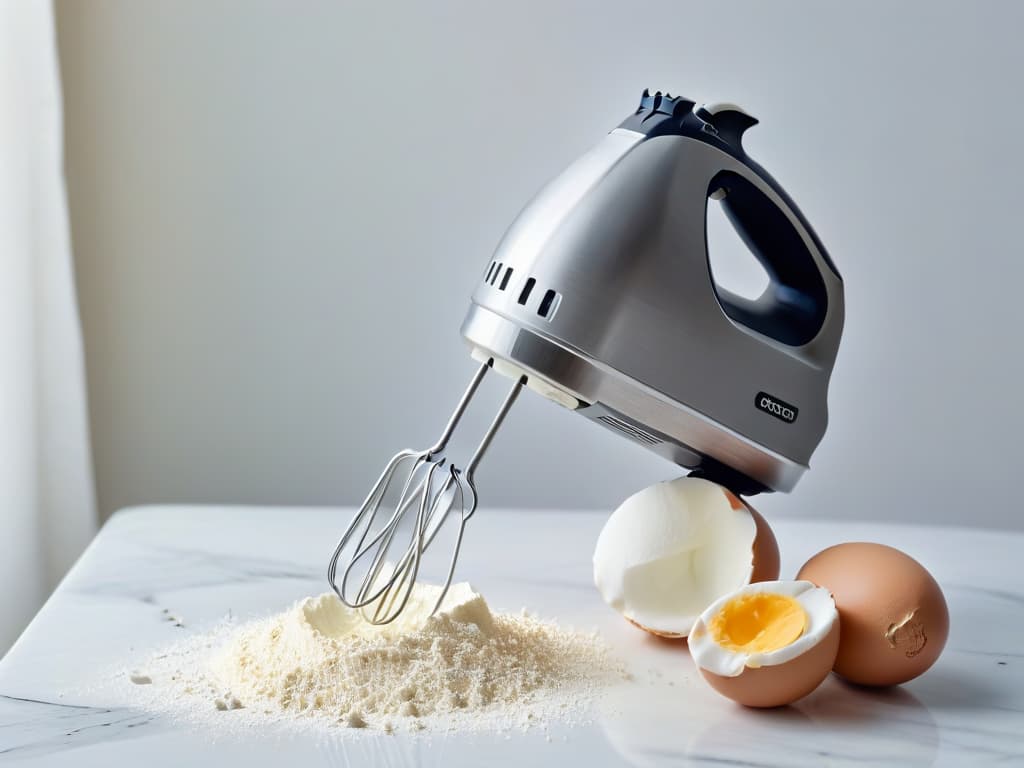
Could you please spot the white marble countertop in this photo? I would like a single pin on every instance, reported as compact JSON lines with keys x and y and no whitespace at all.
{"x":201,"y":562}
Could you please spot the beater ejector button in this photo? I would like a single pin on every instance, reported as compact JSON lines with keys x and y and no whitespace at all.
{"x":728,"y":120}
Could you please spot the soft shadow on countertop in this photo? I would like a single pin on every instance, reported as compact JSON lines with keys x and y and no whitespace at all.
{"x":656,"y":726}
{"x":944,"y":690}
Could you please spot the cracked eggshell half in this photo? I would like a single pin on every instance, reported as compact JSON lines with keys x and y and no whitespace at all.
{"x":674,"y":547}
{"x":893,"y":614}
{"x":767,"y":644}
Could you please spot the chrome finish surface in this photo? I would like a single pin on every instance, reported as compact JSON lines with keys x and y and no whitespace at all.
{"x":629,"y":262}
{"x":683,"y":434}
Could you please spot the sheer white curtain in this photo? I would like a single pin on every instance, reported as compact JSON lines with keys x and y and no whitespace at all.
{"x":47,"y":508}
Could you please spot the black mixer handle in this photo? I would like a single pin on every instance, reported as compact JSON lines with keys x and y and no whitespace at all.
{"x":793,"y":308}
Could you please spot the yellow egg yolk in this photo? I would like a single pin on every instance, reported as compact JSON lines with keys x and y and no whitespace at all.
{"x":758,"y":623}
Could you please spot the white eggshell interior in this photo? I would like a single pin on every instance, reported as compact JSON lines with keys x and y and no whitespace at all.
{"x":670,"y":550}
{"x":821,"y":615}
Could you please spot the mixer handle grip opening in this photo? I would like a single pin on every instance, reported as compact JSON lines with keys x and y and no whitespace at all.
{"x":793,"y":308}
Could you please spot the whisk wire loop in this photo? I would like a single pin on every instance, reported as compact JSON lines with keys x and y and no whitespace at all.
{"x":437,"y":495}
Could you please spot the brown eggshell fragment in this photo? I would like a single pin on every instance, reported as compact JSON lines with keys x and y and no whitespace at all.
{"x":781,"y":684}
{"x":892,"y":612}
{"x":657,"y":632}
{"x":767,"y":563}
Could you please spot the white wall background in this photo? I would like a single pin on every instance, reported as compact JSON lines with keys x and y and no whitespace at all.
{"x":279,"y":211}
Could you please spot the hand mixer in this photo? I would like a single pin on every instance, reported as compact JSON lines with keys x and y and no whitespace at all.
{"x":601,"y":298}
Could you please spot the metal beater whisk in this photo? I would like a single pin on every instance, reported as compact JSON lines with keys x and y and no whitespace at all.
{"x":435,"y":489}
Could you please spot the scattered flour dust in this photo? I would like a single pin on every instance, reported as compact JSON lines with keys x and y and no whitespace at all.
{"x":319,"y":663}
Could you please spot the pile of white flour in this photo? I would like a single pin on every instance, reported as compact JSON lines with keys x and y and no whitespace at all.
{"x":319,"y":663}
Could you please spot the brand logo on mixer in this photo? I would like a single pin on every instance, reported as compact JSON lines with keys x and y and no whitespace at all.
{"x":780,"y":409}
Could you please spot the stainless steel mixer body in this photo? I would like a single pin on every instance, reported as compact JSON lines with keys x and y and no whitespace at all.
{"x":601,"y":297}
{"x":634,"y":328}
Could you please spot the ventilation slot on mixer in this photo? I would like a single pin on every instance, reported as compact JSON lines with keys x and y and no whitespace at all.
{"x":490,"y":271}
{"x":549,"y":304}
{"x":629,"y":430}
{"x":505,"y":279}
{"x":525,"y":295}
{"x":496,"y":273}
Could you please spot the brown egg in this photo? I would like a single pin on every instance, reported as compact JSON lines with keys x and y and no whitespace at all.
{"x":767,"y":562}
{"x":671,"y":549}
{"x":781,"y":684}
{"x":892,"y":614}
{"x":767,"y":644}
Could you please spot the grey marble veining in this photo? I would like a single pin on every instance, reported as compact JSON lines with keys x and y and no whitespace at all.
{"x":197,"y":564}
